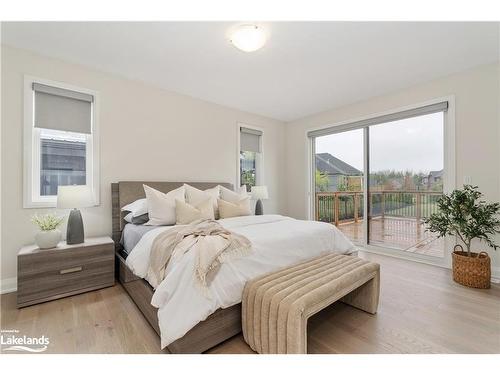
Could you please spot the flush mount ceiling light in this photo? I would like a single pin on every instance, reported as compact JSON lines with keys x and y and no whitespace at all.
{"x":248,"y":38}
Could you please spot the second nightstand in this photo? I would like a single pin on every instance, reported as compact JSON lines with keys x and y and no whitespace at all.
{"x":44,"y":275}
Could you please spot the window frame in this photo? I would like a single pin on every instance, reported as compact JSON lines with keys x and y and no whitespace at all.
{"x":259,"y":162}
{"x":449,"y":178}
{"x":31,"y":147}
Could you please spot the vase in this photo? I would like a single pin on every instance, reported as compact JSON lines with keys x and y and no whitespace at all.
{"x":473,"y":271}
{"x":47,"y":239}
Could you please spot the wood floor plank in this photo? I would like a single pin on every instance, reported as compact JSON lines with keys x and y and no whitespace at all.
{"x":421,"y":311}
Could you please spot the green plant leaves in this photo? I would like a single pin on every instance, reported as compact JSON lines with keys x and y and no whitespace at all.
{"x":47,"y":222}
{"x":464,"y":214}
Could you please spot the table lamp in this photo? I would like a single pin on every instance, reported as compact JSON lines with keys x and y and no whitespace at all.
{"x":74,"y":197}
{"x":259,"y":193}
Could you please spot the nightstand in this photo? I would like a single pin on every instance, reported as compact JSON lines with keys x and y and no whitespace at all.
{"x":44,"y":275}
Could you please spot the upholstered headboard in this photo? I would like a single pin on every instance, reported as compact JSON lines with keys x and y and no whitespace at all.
{"x":125,"y":192}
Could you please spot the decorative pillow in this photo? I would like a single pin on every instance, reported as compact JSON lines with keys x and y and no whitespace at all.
{"x":161,"y":206}
{"x":233,"y":196}
{"x":137,"y":220}
{"x":186,"y":213}
{"x":195,"y":196}
{"x":229,"y":209}
{"x":141,"y":219}
{"x":137,"y":208}
{"x":128,"y":217}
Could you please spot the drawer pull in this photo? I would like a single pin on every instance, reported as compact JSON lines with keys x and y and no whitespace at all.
{"x":71,"y":270}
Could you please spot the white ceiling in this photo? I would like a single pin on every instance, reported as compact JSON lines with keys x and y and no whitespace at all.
{"x":305,"y":68}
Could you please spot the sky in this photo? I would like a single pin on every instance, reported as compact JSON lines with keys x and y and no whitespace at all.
{"x":414,"y":144}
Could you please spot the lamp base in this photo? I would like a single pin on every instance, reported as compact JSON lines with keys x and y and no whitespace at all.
{"x":259,"y":210}
{"x":74,"y":232}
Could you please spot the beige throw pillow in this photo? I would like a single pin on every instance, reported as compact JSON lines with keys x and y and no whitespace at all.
{"x":229,"y":209}
{"x":195,"y":196}
{"x":233,"y":196}
{"x":186,"y":213}
{"x":161,"y":206}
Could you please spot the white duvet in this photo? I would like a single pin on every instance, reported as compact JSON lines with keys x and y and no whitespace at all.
{"x":277,"y":241}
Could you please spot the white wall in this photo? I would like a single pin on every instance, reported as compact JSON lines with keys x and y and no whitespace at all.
{"x":146,"y":134}
{"x":477,"y":132}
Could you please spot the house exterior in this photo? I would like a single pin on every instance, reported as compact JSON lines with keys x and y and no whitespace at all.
{"x":62,"y":163}
{"x":341,"y":176}
{"x":435,"y":178}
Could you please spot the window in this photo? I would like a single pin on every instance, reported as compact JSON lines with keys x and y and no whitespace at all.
{"x":60,"y":141}
{"x":63,"y":160}
{"x":378,"y":179}
{"x":250,"y":157}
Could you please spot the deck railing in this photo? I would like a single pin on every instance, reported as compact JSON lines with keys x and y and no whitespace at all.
{"x":341,"y":206}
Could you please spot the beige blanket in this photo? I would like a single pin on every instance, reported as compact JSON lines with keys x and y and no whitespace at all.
{"x":212,"y":243}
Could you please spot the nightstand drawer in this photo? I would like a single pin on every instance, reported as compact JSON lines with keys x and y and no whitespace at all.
{"x":56,"y":273}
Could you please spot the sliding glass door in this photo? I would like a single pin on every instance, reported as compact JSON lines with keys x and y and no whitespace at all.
{"x":405,"y":181}
{"x":389,"y":170}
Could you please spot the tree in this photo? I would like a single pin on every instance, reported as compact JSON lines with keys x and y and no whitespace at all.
{"x":321,"y":180}
{"x":463,"y":214}
{"x":248,"y":178}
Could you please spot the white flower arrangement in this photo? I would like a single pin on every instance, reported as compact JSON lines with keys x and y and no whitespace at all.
{"x":47,"y":222}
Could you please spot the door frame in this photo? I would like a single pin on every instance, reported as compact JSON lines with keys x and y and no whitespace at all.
{"x":449,"y":180}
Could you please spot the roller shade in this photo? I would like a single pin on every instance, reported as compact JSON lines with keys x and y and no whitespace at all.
{"x":250,"y":139}
{"x":426,"y":110}
{"x":61,"y":109}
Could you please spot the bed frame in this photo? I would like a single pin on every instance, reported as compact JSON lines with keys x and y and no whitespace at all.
{"x":218,"y":327}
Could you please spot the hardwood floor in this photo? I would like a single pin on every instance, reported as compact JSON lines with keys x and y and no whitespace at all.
{"x":421,"y":311}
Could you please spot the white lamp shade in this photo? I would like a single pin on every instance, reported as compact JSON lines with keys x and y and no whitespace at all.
{"x":74,"y":196}
{"x":259,"y":192}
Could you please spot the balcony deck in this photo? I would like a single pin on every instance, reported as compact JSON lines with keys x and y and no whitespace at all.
{"x":401,"y":233}
{"x":396,"y":218}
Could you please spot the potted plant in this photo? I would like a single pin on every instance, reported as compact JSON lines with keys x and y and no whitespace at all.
{"x":48,"y":236}
{"x":462,"y":213}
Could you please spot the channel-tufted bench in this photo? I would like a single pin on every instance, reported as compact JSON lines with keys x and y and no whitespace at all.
{"x":276,"y":306}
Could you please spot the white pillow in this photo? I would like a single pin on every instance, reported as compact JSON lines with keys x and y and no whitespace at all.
{"x":137,"y":208}
{"x":233,"y":196}
{"x":186,"y":213}
{"x":161,"y":206}
{"x":195,"y":196}
{"x":230,"y":209}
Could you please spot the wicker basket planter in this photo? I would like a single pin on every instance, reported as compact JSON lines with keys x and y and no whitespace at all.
{"x":473,"y":271}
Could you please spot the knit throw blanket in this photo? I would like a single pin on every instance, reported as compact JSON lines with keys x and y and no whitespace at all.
{"x":211,"y":242}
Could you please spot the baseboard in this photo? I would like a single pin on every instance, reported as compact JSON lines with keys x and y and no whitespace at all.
{"x":8,"y":285}
{"x":495,"y":271}
{"x":495,"y":275}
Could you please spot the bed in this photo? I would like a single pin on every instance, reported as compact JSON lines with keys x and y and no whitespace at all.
{"x":193,"y":324}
